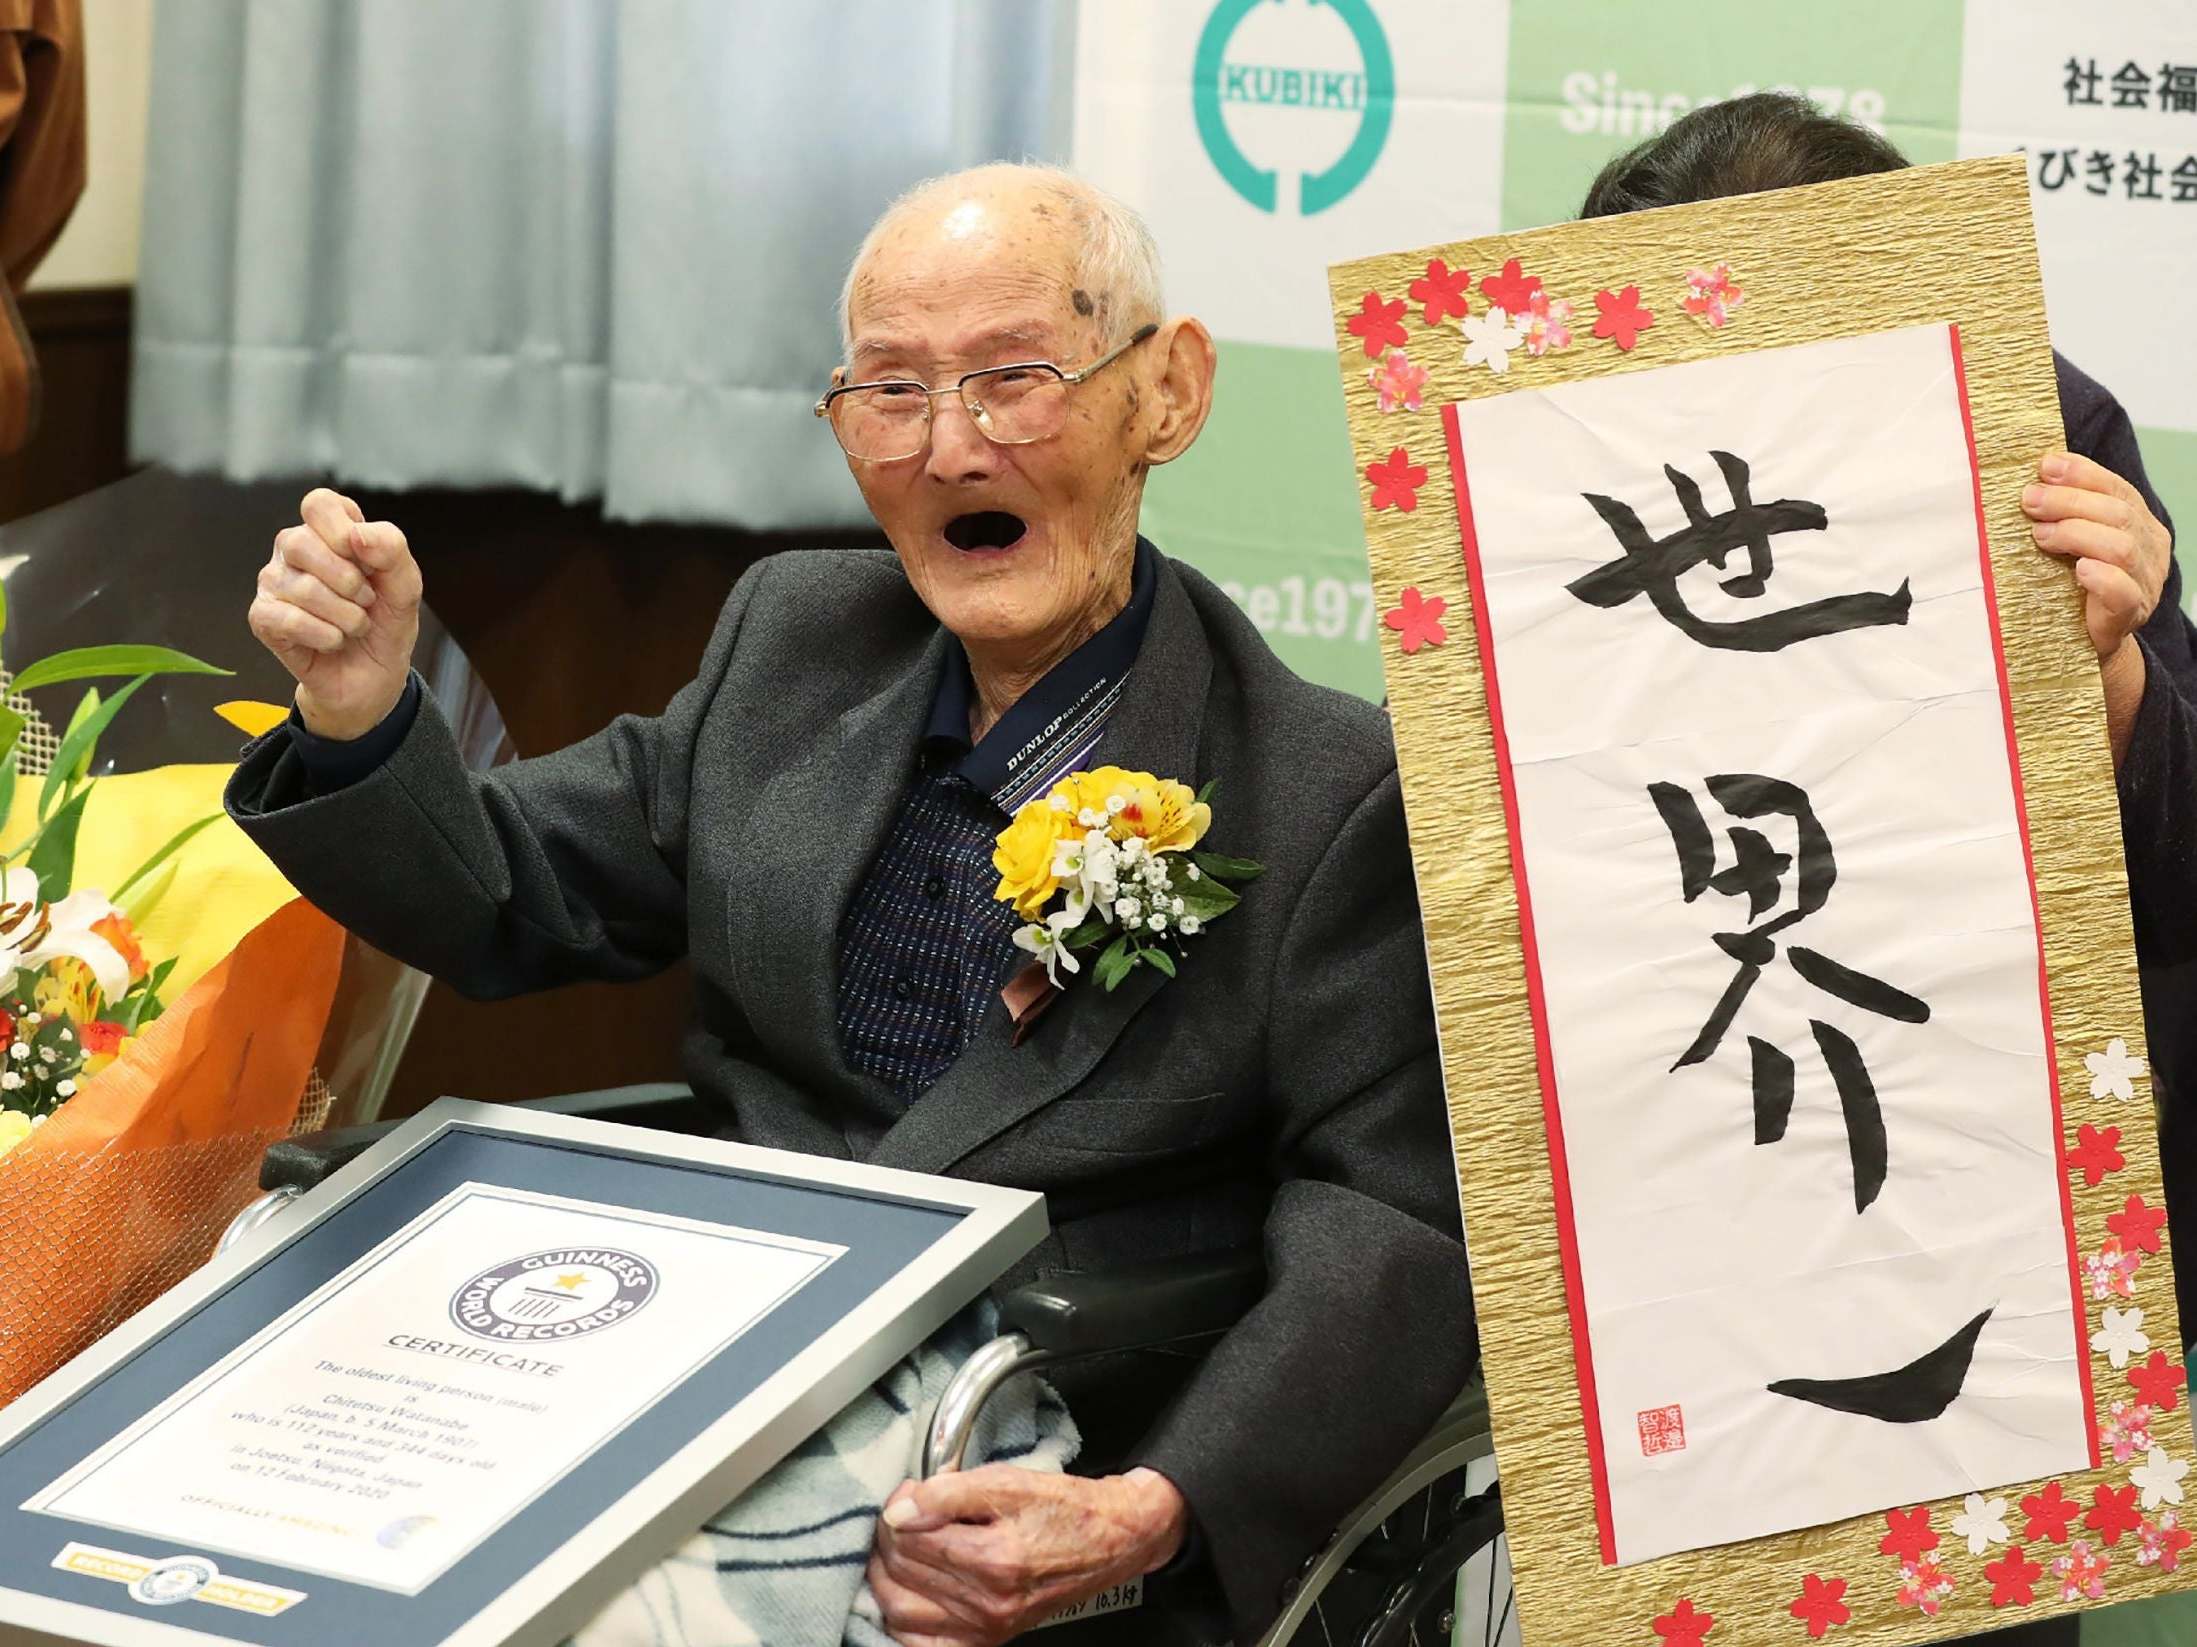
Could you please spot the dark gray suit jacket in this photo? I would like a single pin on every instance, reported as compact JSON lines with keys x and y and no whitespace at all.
{"x":1284,"y":1089}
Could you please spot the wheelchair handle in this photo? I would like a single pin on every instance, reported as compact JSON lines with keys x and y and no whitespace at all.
{"x":953,"y":1420}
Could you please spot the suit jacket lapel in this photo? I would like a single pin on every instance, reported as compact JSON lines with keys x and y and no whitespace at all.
{"x":818,"y":827}
{"x":994,"y":1084}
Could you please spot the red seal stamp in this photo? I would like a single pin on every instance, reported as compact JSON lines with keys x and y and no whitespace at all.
{"x":1662,"y":1430}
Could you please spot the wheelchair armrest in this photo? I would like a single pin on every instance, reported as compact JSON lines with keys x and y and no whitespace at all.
{"x":669,"y":1106}
{"x":1137,"y":1307}
{"x":1065,"y":1317}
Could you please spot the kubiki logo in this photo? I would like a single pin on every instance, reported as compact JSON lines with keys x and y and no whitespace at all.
{"x":1363,"y":85}
{"x":564,"y":1293}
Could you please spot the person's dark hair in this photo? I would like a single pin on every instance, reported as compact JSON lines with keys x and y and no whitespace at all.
{"x":1769,"y":140}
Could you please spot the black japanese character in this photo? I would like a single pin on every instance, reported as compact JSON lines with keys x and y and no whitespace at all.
{"x":2100,"y":166}
{"x":2184,"y":179}
{"x":1913,"y":1394}
{"x":2178,"y":88}
{"x":2045,"y":177}
{"x":1758,"y":873}
{"x":2082,"y":77}
{"x":2142,"y":168}
{"x":2131,"y":87}
{"x":1652,"y":567}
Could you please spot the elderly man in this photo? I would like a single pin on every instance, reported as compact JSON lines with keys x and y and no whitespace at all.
{"x":813,"y":821}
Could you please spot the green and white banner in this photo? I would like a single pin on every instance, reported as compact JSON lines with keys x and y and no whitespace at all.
{"x":1266,"y":139}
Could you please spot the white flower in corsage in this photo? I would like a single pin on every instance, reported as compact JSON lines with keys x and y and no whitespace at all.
{"x":1104,"y":862}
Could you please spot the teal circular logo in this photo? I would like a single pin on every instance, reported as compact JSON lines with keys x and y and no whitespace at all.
{"x":1368,"y":87}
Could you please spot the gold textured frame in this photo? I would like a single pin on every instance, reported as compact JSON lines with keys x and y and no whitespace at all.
{"x":1948,"y":243}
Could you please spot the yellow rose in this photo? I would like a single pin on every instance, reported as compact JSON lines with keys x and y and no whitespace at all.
{"x":15,"y":1126}
{"x":1023,"y":855}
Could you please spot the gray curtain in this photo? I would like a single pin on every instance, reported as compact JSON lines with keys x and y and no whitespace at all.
{"x":585,"y":246}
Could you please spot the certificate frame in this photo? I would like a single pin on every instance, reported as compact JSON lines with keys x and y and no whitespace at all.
{"x":977,"y":1231}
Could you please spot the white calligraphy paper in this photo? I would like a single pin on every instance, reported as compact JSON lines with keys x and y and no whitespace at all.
{"x":435,"y":1388}
{"x":1840,"y":677}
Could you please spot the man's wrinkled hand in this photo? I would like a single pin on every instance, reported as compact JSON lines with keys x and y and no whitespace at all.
{"x":338,"y":603}
{"x":972,"y":1559}
{"x":2122,"y":554}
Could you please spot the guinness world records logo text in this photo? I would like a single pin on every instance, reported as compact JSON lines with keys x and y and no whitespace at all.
{"x":565,"y":1292}
{"x":1369,"y":87}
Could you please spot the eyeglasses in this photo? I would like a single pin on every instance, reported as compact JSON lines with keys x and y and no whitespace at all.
{"x":1012,"y":405}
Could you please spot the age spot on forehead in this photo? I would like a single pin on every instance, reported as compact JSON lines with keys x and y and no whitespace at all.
{"x":1082,"y":301}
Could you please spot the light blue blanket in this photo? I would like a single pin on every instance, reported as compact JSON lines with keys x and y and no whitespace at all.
{"x":782,"y":1566}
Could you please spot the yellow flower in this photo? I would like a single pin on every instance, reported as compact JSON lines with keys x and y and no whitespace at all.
{"x":15,"y":1126}
{"x":1023,"y":855}
{"x":68,"y":986}
{"x":1167,"y":816}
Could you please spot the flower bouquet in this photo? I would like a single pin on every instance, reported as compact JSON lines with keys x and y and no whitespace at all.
{"x":1115,"y":847}
{"x":161,"y":1003}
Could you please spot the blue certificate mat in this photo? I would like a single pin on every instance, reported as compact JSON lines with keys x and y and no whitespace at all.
{"x":472,"y":1385}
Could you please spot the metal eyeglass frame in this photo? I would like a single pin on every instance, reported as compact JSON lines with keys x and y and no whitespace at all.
{"x":960,"y":386}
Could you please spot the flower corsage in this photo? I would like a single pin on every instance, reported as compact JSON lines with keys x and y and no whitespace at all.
{"x":1110,"y":852}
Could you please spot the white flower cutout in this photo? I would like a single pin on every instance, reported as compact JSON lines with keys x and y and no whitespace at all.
{"x":2160,"y":1477}
{"x":1982,"y":1522}
{"x":1489,"y":339}
{"x":2121,"y":1336}
{"x":2114,"y":1070}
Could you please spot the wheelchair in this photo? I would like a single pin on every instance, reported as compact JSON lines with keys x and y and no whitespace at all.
{"x":1419,"y":1563}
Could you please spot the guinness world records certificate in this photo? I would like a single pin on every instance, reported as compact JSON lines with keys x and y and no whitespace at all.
{"x":472,"y":1385}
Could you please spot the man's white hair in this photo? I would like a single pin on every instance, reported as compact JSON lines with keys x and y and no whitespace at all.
{"x":1118,"y":261}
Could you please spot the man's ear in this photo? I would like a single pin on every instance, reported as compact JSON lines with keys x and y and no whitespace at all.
{"x":1184,"y":389}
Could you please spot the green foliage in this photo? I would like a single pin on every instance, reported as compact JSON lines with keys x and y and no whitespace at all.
{"x":90,"y":662}
{"x":1114,"y":963}
{"x":1205,"y":897}
{"x":75,"y":756}
{"x":1227,"y":869}
{"x":176,"y":843}
{"x":53,"y":848}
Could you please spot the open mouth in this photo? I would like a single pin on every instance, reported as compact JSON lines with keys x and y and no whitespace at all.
{"x":987,"y":529}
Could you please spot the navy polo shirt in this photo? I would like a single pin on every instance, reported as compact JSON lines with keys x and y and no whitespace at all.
{"x":924,"y":946}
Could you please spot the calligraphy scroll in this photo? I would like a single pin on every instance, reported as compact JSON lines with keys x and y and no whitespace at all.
{"x":1765,"y":832}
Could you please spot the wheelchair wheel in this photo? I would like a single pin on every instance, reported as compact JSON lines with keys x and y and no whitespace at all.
{"x":1487,"y":1612}
{"x":1404,"y":1583}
